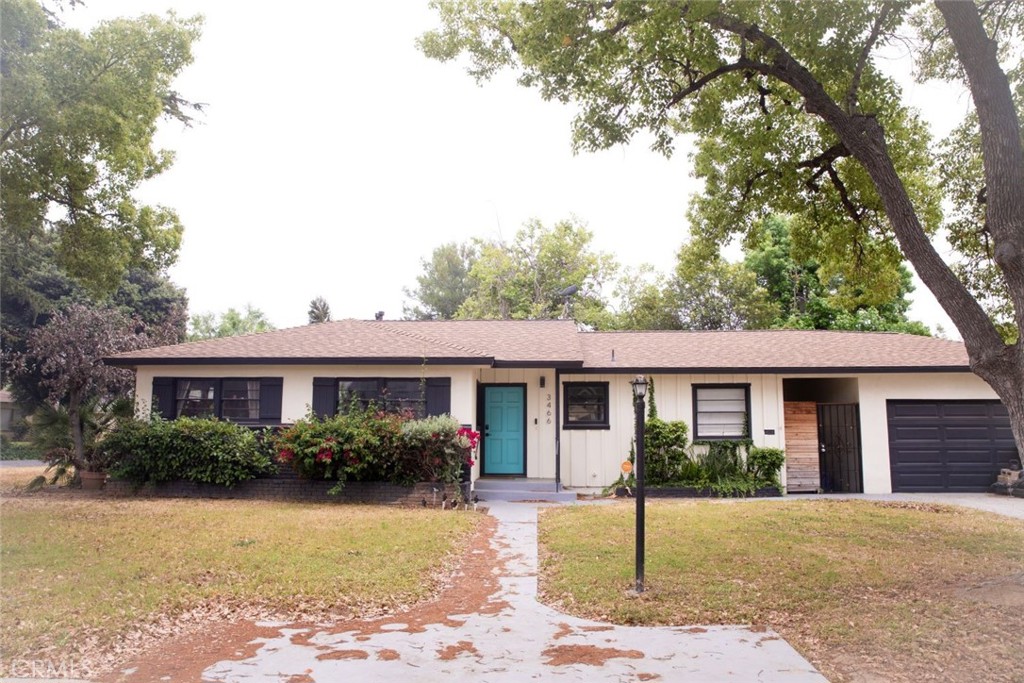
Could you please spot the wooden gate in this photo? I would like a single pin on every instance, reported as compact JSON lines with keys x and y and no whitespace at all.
{"x":801,"y":420}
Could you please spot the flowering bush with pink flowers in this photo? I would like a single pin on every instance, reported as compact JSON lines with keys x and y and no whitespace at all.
{"x":373,"y":445}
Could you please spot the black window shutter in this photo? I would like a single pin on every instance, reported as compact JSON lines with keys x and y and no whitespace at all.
{"x":270,"y":400}
{"x":439,"y":395}
{"x":325,"y":396}
{"x":163,"y":397}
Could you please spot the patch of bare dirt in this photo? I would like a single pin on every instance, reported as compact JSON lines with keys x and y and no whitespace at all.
{"x":343,"y":654}
{"x":447,"y":654}
{"x":182,"y":657}
{"x":564,"y":655}
{"x":1004,"y":591}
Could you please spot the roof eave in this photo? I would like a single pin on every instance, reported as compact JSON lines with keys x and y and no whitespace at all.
{"x":699,"y":370}
{"x":293,"y":360}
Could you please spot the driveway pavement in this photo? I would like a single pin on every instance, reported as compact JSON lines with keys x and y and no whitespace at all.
{"x":1001,"y":505}
{"x":515,"y":638}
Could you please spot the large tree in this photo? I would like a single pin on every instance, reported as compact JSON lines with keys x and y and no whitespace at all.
{"x":712,"y":294}
{"x":444,"y":284}
{"x":76,"y":137}
{"x":805,"y":300}
{"x":526,"y":278}
{"x":231,"y":323}
{"x":792,"y":114}
{"x":33,"y":287}
{"x":67,"y":353}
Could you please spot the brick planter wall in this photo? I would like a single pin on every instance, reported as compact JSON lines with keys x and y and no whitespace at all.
{"x":285,"y":485}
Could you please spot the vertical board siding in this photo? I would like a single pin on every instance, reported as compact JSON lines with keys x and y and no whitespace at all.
{"x":591,"y":458}
{"x":539,"y":436}
{"x":802,"y":473}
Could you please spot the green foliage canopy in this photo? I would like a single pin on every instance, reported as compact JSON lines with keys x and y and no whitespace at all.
{"x":444,"y":285}
{"x":522,"y":279}
{"x":76,"y":133}
{"x":231,"y":323}
{"x":792,"y":115}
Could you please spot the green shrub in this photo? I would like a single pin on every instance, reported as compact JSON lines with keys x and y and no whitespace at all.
{"x":360,"y":445}
{"x":202,"y":450}
{"x":765,"y":464}
{"x":371,"y":445}
{"x":664,"y":450}
{"x":721,"y":461}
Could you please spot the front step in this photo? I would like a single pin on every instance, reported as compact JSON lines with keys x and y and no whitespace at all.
{"x":513,"y":490}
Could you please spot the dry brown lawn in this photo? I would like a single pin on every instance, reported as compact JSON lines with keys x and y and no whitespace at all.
{"x":867,"y":591}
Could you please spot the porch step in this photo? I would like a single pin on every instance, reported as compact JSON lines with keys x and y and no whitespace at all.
{"x":512,"y":490}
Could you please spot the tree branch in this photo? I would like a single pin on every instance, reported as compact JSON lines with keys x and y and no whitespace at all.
{"x":740,"y":65}
{"x":865,"y":139}
{"x":1002,"y":151}
{"x":862,"y":60}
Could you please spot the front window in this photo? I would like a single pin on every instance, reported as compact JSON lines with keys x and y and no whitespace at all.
{"x":392,"y":395}
{"x":196,"y":398}
{"x":586,"y":405}
{"x":721,"y":411}
{"x":237,"y":400}
{"x":240,"y":400}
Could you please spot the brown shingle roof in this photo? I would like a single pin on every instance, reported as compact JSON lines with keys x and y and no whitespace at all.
{"x":551,"y":343}
{"x":362,"y":341}
{"x":762,"y":350}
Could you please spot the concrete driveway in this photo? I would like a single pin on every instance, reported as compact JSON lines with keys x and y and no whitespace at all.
{"x":987,"y":502}
{"x":512,"y":637}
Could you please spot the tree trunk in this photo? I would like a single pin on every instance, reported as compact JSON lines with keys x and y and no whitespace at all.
{"x":1000,"y":365}
{"x":77,"y":435}
{"x":1003,"y":156}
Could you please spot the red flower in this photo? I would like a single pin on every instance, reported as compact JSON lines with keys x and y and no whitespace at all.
{"x":286,"y":455}
{"x":324,"y":455}
{"x":472,"y":437}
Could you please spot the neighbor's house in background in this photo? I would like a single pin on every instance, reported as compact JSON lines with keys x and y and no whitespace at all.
{"x":10,"y":413}
{"x":855,"y":411}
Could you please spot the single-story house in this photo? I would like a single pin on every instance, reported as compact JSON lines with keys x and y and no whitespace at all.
{"x":855,"y":411}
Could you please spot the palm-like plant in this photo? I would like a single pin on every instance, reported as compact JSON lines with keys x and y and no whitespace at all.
{"x":319,"y":310}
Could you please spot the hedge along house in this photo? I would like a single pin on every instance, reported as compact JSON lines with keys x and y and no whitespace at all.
{"x":855,"y":411}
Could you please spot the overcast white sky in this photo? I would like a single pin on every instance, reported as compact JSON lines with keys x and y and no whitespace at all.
{"x":333,"y":157}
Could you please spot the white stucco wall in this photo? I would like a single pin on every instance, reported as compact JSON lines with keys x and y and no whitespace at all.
{"x":591,"y":458}
{"x":297,"y":390}
{"x":297,"y":380}
{"x":876,"y":389}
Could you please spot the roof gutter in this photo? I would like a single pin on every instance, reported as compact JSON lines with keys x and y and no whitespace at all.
{"x":832,"y":370}
{"x":134,"y":362}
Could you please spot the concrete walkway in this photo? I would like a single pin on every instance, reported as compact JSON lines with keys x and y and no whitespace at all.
{"x":519,"y":640}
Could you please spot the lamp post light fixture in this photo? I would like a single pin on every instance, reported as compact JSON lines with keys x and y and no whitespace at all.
{"x":639,"y":393}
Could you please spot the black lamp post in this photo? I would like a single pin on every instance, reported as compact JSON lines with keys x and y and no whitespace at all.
{"x":639,"y":392}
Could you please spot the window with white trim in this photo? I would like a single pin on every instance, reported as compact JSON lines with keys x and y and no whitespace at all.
{"x":721,"y":411}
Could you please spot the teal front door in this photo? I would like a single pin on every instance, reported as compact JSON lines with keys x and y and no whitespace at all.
{"x":504,"y":423}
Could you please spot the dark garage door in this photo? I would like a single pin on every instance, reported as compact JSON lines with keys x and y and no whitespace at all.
{"x":955,"y":446}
